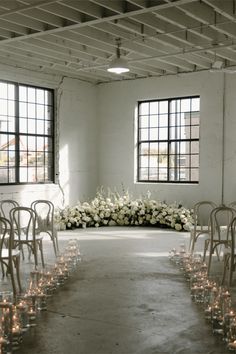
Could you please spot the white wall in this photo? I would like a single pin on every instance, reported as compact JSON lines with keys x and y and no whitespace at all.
{"x":117,"y":104}
{"x":230,"y":138}
{"x":77,"y":125}
{"x":75,"y":140}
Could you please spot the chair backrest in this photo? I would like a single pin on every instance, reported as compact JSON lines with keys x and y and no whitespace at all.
{"x":6,"y":240}
{"x":24,"y":219}
{"x":233,"y":233}
{"x":44,"y":214}
{"x":202,"y":211}
{"x":220,"y":222}
{"x":232,"y":204}
{"x":5,"y":207}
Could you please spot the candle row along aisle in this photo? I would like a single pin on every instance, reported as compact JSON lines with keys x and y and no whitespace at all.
{"x":18,"y":314}
{"x":212,"y":298}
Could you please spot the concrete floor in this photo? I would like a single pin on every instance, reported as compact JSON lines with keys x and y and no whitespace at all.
{"x":125,"y":298}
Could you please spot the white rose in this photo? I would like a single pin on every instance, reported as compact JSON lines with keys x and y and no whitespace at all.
{"x":178,"y":227}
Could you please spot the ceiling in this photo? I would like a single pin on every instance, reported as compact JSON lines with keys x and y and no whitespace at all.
{"x":78,"y":38}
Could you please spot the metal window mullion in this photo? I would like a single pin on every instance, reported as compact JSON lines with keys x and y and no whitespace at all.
{"x":168,"y":143}
{"x":190,"y":145}
{"x":17,"y":135}
{"x":53,"y":140}
{"x":8,"y":150}
{"x":149,"y":128}
{"x":158,"y":141}
{"x":139,"y":144}
{"x":35,"y":135}
{"x":176,"y":144}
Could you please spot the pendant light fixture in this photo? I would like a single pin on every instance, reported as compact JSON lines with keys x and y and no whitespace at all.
{"x":118,"y":65}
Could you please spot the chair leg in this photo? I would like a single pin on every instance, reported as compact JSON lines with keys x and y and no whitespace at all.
{"x":10,"y":270}
{"x":206,"y":245}
{"x":190,"y":247}
{"x":41,"y":252}
{"x":35,"y":253}
{"x":209,"y":260}
{"x":55,"y":238}
{"x":231,"y":269}
{"x":3,"y":271}
{"x":54,"y":246}
{"x":17,"y":266}
{"x":226,"y":266}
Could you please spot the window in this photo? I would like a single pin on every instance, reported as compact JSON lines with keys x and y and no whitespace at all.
{"x":168,"y":140}
{"x":26,"y":134}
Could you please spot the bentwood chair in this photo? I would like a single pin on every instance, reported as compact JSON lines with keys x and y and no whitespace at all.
{"x":45,"y":220}
{"x":201,"y":214}
{"x":5,"y":207}
{"x":9,"y":256}
{"x":25,"y":234}
{"x":220,"y":228}
{"x":230,"y":254}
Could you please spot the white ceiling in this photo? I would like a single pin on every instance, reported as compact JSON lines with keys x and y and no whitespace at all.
{"x":77,"y":38}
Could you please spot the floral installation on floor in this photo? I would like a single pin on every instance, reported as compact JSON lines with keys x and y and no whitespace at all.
{"x":111,"y":208}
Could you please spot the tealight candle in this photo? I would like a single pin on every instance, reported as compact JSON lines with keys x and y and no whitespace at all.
{"x":232,"y":345}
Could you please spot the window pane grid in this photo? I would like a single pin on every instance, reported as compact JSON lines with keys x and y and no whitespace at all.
{"x":168,"y":140}
{"x":26,"y":134}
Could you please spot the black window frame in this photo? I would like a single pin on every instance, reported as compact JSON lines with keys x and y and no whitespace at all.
{"x":168,"y":141}
{"x":47,"y":155}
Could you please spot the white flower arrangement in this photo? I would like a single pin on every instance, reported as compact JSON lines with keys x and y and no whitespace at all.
{"x":113,"y":209}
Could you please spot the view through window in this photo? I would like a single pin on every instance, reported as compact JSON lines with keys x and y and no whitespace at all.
{"x":168,"y":140}
{"x":26,"y":134}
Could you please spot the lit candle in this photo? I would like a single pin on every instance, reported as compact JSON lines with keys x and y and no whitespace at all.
{"x":232,"y":345}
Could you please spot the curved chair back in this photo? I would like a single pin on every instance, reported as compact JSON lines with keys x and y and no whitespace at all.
{"x":6,"y":240}
{"x":202,"y":211}
{"x":44,"y":214}
{"x":230,"y":254}
{"x":201,"y":214}
{"x":5,"y":207}
{"x":9,"y":256}
{"x":232,"y":204}
{"x":220,"y":222}
{"x":24,"y":221}
{"x":45,"y":220}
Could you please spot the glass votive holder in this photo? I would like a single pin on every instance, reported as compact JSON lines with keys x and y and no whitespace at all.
{"x":6,"y":296}
{"x":208,"y":313}
{"x":6,"y":316}
{"x":31,"y":309}
{"x":41,"y":301}
{"x":228,"y":316}
{"x":22,"y":311}
{"x":16,"y":336}
{"x":5,"y":345}
{"x":232,"y":334}
{"x":232,"y":346}
{"x":217,"y":320}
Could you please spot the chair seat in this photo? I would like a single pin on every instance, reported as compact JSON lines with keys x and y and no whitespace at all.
{"x":5,"y":253}
{"x":28,"y":238}
{"x":199,"y":228}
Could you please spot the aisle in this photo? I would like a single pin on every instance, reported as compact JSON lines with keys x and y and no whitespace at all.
{"x":126,"y":298}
